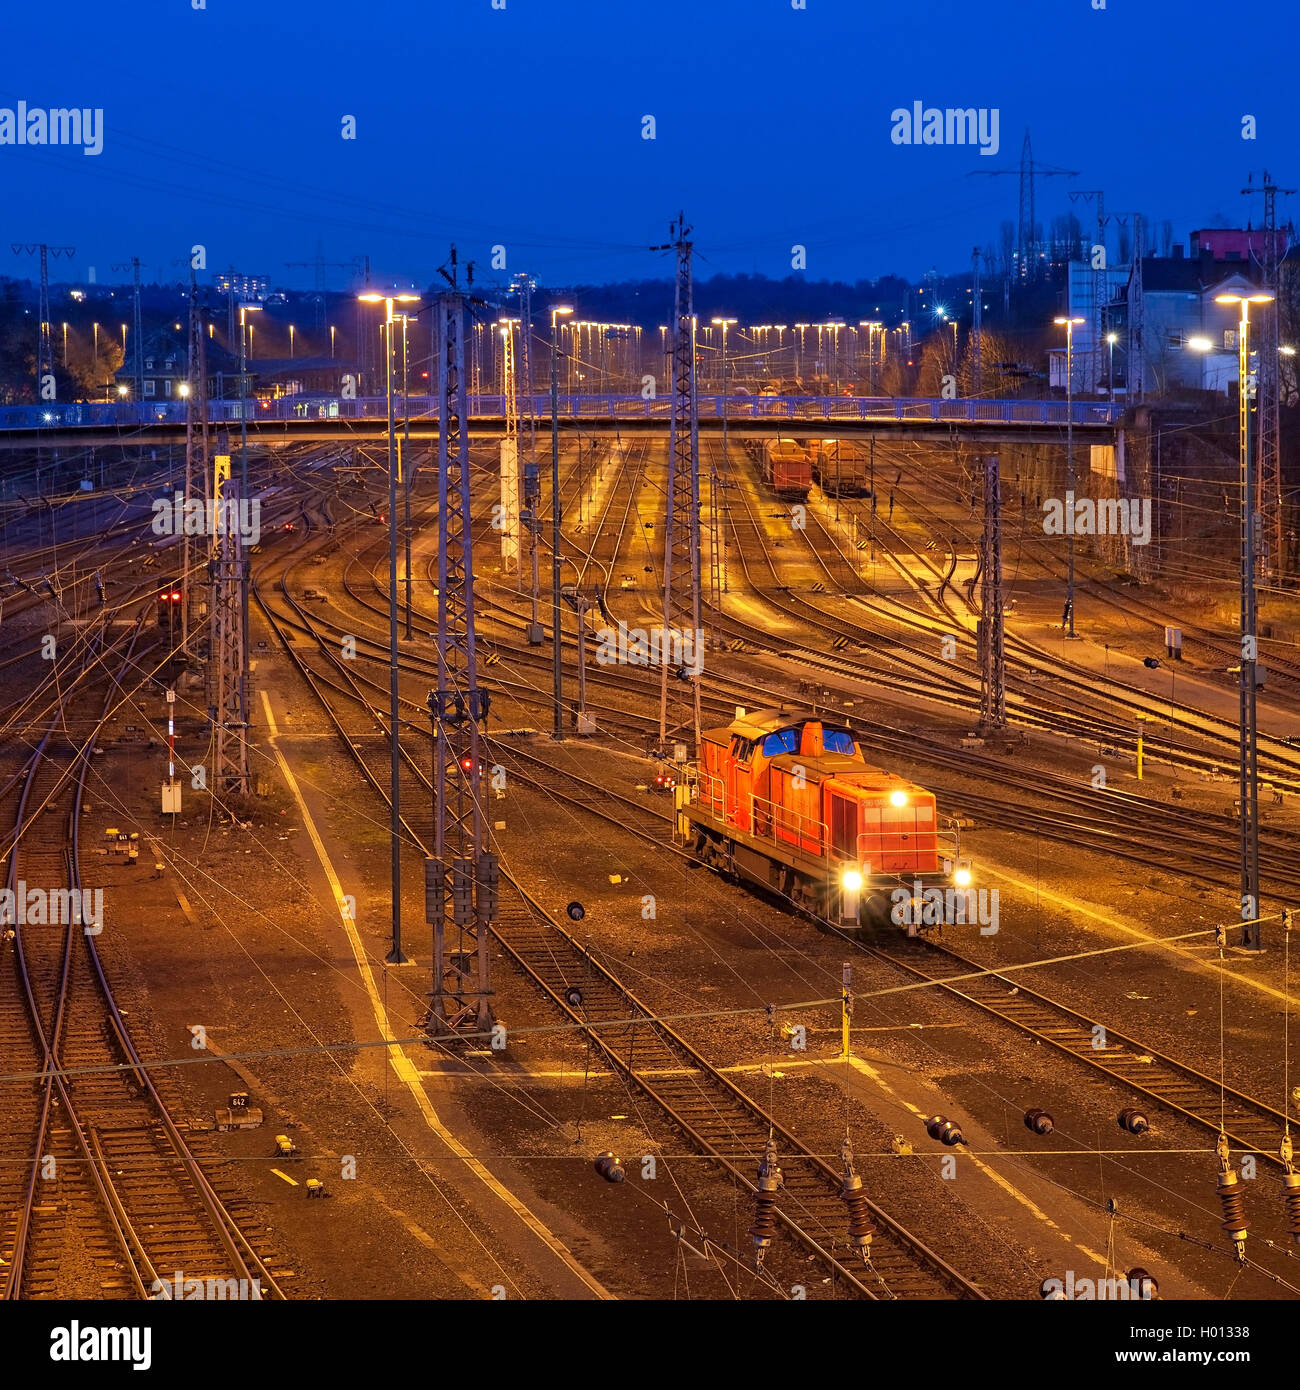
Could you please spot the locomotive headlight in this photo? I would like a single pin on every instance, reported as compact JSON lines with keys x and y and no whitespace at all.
{"x":962,"y":878}
{"x":898,"y":798}
{"x":852,"y":880}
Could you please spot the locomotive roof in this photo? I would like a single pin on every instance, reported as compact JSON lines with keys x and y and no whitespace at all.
{"x":822,"y":765}
{"x":768,"y":721}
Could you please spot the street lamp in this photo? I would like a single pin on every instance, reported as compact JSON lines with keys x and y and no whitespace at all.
{"x":798,"y":364}
{"x":717,"y":476}
{"x":1248,"y":783}
{"x":405,"y":467}
{"x":395,"y":956}
{"x":1069,"y":461}
{"x":558,"y":311}
{"x":245,"y":333}
{"x":724,"y":324}
{"x":291,"y":342}
{"x":1111,"y":339}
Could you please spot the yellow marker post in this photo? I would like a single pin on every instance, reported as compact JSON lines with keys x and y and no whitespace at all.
{"x":1142,"y":719}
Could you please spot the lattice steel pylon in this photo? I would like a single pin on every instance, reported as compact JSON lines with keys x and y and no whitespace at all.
{"x":679,"y":688}
{"x":226,"y":620}
{"x":197,"y":451}
{"x":1135,"y":369}
{"x":509,"y":452}
{"x":461,"y":877}
{"x":137,"y":331}
{"x":1099,"y":292}
{"x":1268,"y":472}
{"x":993,"y":676}
{"x":532,"y":495}
{"x":46,"y":389}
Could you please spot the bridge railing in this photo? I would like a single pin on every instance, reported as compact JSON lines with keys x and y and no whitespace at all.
{"x":799,"y":410}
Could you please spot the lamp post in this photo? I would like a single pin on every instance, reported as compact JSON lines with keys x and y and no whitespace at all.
{"x":1069,"y":464}
{"x":395,"y":956}
{"x":291,"y":342}
{"x":558,"y":311}
{"x":1248,"y":782}
{"x":406,"y":469}
{"x":724,"y":324}
{"x":718,"y":476}
{"x":1110,"y":371}
{"x":244,"y":328}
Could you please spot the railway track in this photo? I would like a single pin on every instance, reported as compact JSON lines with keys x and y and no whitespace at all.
{"x":106,"y":1195}
{"x":1114,"y":823}
{"x":1251,"y":1124}
{"x":1066,"y":706}
{"x":718,"y":1118}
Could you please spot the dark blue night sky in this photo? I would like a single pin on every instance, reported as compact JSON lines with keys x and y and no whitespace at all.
{"x":523,"y":127}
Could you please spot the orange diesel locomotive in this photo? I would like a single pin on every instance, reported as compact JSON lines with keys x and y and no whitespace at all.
{"x":788,"y":802}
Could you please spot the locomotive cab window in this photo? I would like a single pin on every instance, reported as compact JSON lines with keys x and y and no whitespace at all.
{"x":783,"y":741}
{"x":837,"y":741}
{"x":742,"y":749}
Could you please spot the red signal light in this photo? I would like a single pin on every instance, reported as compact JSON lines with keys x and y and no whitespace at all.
{"x":467,"y":764}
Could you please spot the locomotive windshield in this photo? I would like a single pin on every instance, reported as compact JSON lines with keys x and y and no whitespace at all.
{"x":837,"y":741}
{"x":783,"y":741}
